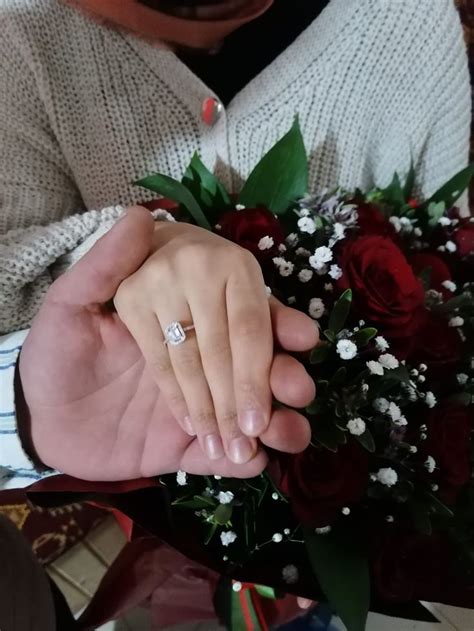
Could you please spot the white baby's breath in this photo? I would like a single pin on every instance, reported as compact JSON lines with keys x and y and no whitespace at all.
{"x":306,"y":224}
{"x":430,"y":399}
{"x":456,"y":321}
{"x":346,"y":349}
{"x":389,"y":361}
{"x":430,"y":464}
{"x":450,"y":246}
{"x":462,"y":378}
{"x":381,"y":405}
{"x":225,"y":497}
{"x":387,"y":476}
{"x":321,"y":256}
{"x":356,"y":426}
{"x":316,"y":308}
{"x":266,"y":243}
{"x":181,"y":478}
{"x":449,"y":285}
{"x":305,"y":275}
{"x":290,"y":574}
{"x":381,"y":344}
{"x":228,"y":537}
{"x":335,"y":272}
{"x":375,"y":368}
{"x":285,"y":268}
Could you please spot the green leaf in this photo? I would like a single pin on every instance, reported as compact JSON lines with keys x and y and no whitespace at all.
{"x":367,"y":441}
{"x":319,"y":354}
{"x":281,"y":177}
{"x":223,"y":514}
{"x":397,"y":374}
{"x":435,"y":211}
{"x":196,"y":503}
{"x":339,"y":377}
{"x":363,"y":337}
{"x":211,"y":533}
{"x":208,"y":191}
{"x":265,"y":592}
{"x":340,"y":311}
{"x":328,"y":435}
{"x":425,"y":277}
{"x":409,"y":183}
{"x":330,"y":335}
{"x":341,"y":567}
{"x":172,"y":189}
{"x":437,"y":506}
{"x":394,"y":191}
{"x":458,"y":302}
{"x":421,"y":519}
{"x":453,"y":189}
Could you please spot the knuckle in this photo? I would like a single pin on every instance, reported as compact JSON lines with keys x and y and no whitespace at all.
{"x":161,"y":365}
{"x":218,"y":350}
{"x":204,"y":420}
{"x":176,"y":399}
{"x":250,"y":326}
{"x":188,"y":363}
{"x":228,"y":419}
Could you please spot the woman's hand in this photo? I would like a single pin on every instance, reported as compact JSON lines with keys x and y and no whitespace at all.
{"x":217,"y":382}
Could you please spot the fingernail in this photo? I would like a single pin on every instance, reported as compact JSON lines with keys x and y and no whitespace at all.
{"x":241,"y":449}
{"x":253,"y":423}
{"x":188,"y":426}
{"x":213,"y":446}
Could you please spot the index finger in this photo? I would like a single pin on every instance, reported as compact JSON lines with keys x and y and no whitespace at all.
{"x":293,"y":330}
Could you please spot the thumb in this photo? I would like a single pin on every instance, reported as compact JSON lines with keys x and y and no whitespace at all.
{"x":293,"y":330}
{"x":115,"y":256}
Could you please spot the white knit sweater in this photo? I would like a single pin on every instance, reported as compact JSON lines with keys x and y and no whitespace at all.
{"x":85,"y":111}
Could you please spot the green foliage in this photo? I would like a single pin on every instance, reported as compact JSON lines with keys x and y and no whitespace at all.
{"x":281,"y":176}
{"x":172,"y":189}
{"x":450,"y":192}
{"x":339,"y":562}
{"x":340,"y":312}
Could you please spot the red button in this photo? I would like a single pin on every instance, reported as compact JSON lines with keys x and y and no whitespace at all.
{"x":211,"y":111}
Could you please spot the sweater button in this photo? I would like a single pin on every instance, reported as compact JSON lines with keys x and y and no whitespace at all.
{"x":211,"y":111}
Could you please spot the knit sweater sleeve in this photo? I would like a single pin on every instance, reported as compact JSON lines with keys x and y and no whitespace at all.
{"x":446,"y":149}
{"x":40,"y":207}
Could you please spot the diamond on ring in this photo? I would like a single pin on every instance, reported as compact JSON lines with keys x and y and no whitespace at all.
{"x":175,"y":333}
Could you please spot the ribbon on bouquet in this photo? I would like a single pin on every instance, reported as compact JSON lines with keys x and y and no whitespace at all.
{"x":241,"y":606}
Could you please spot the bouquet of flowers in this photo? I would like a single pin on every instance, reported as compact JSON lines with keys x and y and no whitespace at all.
{"x":379,"y":509}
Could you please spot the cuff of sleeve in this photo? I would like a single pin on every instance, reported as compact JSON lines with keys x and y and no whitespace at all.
{"x":16,"y":469}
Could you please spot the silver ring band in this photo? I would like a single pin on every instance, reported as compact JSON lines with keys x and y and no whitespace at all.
{"x":175,"y":333}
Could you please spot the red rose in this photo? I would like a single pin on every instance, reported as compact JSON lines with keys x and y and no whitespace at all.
{"x":408,"y":566}
{"x":247,"y":227}
{"x":386,"y":292}
{"x":439,"y":271}
{"x":464,"y":238}
{"x":449,"y":430}
{"x":320,"y":483}
{"x":372,"y":221}
{"x":437,"y":345}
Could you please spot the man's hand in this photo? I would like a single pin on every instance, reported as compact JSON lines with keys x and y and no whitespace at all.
{"x":95,"y":410}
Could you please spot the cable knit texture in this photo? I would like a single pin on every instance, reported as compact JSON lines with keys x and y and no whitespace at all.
{"x":86,"y":110}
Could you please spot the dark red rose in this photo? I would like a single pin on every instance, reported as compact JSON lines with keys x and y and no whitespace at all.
{"x":464,"y":238}
{"x":439,"y":271}
{"x":246,"y":228}
{"x":449,"y":429}
{"x":320,"y":482}
{"x":409,"y":566}
{"x":372,"y":221}
{"x":437,"y":345}
{"x":386,"y":292}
